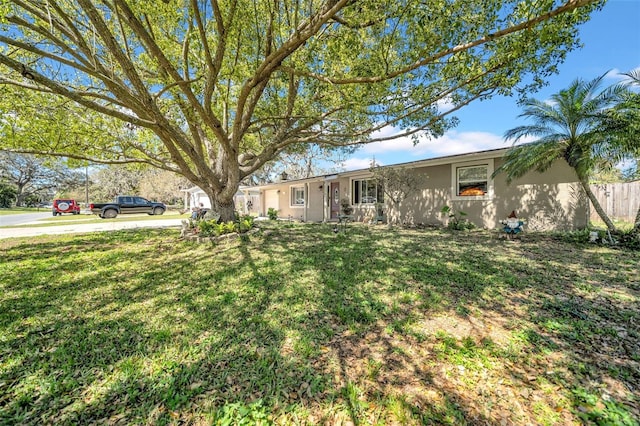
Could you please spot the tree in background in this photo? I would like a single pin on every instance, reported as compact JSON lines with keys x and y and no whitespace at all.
{"x":107,"y":181}
{"x":35,"y":178}
{"x":7,"y":195}
{"x":215,"y":90}
{"x":162,"y":185}
{"x":301,"y":163}
{"x":567,"y":127}
{"x":115,"y":179}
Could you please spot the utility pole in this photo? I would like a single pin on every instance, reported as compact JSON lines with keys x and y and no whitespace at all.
{"x":86,"y":186}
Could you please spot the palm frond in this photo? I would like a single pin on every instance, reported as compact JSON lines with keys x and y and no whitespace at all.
{"x":634,"y":76}
{"x":521,"y":159}
{"x":568,"y":126}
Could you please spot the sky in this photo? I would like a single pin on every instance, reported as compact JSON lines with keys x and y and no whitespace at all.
{"x":611,"y":43}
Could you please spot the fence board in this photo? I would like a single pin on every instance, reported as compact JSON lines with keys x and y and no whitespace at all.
{"x":619,"y":200}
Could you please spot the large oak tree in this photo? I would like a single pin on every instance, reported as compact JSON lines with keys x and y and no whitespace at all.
{"x":215,"y":89}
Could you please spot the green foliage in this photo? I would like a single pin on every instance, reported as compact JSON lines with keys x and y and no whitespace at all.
{"x":240,"y":414}
{"x":593,"y":409}
{"x":7,"y":195}
{"x":457,"y":219}
{"x":196,"y":89}
{"x":345,"y":206}
{"x":245,"y":223}
{"x":624,"y":238}
{"x":629,"y":239}
{"x":211,"y":227}
{"x":570,"y":128}
{"x":272,"y":213}
{"x":207,"y":228}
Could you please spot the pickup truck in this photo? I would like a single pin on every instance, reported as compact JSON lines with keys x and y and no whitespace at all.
{"x":125,"y":204}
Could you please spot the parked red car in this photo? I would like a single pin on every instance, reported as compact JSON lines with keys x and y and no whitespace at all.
{"x":65,"y":206}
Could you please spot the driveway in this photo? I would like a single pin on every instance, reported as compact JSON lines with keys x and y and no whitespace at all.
{"x":71,"y":227}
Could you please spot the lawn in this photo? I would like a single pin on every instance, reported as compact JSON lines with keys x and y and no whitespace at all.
{"x":20,"y":210}
{"x":297,"y":325}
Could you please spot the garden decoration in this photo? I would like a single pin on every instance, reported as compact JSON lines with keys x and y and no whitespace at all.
{"x":512,"y":225}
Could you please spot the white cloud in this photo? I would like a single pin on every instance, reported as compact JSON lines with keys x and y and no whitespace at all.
{"x":358,"y":163}
{"x":451,"y":143}
{"x":615,"y":75}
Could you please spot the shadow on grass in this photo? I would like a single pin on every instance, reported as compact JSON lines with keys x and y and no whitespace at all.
{"x":302,"y":324}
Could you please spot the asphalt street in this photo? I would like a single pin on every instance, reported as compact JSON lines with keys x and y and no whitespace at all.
{"x":74,"y":227}
{"x":19,"y":219}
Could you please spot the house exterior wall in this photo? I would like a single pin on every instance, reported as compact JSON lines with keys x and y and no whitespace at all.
{"x":311,"y":210}
{"x":552,"y":200}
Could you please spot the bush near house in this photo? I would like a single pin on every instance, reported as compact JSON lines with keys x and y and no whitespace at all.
{"x":211,"y":227}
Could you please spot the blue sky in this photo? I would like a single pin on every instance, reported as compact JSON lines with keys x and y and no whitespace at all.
{"x":611,"y":42}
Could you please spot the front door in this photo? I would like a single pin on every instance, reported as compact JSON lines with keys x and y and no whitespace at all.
{"x":335,"y":199}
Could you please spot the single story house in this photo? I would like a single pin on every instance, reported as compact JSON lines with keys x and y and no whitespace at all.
{"x":553,"y":200}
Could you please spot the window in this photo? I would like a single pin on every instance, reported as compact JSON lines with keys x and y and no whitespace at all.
{"x":472,"y":180}
{"x":297,"y":196}
{"x":366,"y":191}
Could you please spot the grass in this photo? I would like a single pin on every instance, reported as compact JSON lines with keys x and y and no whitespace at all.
{"x":298,"y":325}
{"x":20,"y":210}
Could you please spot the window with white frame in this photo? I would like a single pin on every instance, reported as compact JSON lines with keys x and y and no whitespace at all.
{"x":472,"y":180}
{"x":297,"y":196}
{"x":366,"y":191}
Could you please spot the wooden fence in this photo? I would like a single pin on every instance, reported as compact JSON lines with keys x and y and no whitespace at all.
{"x":619,"y":200}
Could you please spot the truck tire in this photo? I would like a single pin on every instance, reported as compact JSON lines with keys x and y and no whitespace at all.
{"x":109,"y":214}
{"x":158,"y":211}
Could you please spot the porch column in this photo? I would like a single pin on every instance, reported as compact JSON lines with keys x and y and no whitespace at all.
{"x":306,"y":202}
{"x":245,"y":201}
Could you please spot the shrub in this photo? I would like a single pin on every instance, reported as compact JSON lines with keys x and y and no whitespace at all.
{"x":208,"y":228}
{"x":456,"y":219}
{"x":272,"y":213}
{"x":245,"y":223}
{"x":7,"y":195}
{"x":345,"y":206}
{"x":628,"y":239}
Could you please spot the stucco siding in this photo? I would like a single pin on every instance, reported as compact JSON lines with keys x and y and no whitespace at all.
{"x":552,"y":200}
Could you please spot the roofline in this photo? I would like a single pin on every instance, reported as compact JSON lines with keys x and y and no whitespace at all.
{"x":440,"y":160}
{"x":470,"y":156}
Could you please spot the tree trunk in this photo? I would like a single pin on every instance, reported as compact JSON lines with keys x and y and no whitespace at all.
{"x":20,"y":196}
{"x":596,"y":205}
{"x":636,"y":225}
{"x":222,"y":206}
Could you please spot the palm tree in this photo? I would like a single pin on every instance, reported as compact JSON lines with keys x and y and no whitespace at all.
{"x":622,"y":127}
{"x":568,"y":127}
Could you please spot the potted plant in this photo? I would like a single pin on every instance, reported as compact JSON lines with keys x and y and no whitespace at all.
{"x":345,"y":207}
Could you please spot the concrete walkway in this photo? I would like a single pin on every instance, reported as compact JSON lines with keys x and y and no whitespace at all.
{"x":75,"y":228}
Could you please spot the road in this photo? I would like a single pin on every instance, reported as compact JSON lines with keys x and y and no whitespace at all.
{"x":19,"y":219}
{"x":77,"y":227}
